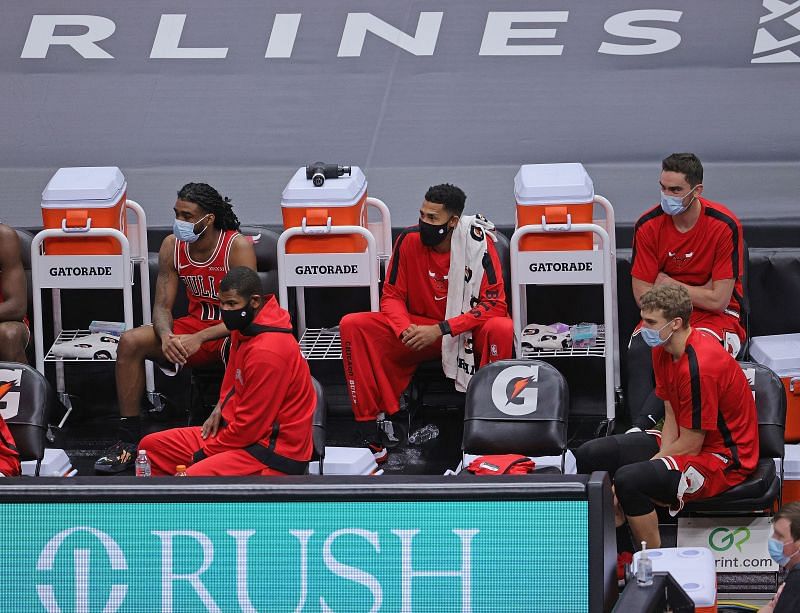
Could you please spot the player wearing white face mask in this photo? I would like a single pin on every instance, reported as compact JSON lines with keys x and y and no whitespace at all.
{"x":690,"y":241}
{"x":204,"y":246}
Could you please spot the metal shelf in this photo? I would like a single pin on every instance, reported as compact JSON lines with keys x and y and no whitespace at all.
{"x":321,"y":344}
{"x":67,"y":336}
{"x":598,"y":350}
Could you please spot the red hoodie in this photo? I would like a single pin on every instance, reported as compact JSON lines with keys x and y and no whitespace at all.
{"x":272,"y":398}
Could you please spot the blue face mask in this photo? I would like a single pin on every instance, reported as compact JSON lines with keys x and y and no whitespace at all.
{"x":673,"y":205}
{"x":653,"y":337}
{"x":775,"y":548}
{"x":184,"y":230}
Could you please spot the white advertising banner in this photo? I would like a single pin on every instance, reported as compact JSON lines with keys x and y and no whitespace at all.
{"x":739,"y":544}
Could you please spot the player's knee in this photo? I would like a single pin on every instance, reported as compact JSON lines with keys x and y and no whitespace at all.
{"x":132,"y":343}
{"x":588,"y":456}
{"x":353,"y":321}
{"x":150,"y":442}
{"x":13,"y":335}
{"x":630,"y":484}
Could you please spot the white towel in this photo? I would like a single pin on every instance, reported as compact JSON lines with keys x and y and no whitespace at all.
{"x":98,"y":346}
{"x":467,"y":248}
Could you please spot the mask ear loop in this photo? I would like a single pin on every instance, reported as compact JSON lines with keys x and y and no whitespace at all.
{"x":204,"y":227}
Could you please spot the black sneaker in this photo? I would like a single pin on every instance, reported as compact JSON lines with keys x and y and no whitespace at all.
{"x":117,"y":458}
{"x":394,"y":430}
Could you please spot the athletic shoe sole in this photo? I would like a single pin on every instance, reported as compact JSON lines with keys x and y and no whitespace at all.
{"x":112,"y":469}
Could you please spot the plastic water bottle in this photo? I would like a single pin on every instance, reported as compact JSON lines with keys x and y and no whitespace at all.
{"x":644,"y":568}
{"x":180,"y":471}
{"x":423,"y":435}
{"x":142,"y":464}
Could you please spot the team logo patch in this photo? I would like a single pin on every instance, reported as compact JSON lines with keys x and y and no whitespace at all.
{"x":680,"y":260}
{"x":514,"y":390}
{"x":693,"y":480}
{"x":438,"y":281}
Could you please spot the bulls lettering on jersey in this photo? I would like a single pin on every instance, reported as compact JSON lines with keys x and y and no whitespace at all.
{"x":202,"y":279}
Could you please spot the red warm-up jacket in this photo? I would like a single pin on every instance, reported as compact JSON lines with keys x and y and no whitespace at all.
{"x":267,"y":395}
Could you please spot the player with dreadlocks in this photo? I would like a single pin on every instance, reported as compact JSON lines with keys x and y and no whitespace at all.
{"x":204,"y":246}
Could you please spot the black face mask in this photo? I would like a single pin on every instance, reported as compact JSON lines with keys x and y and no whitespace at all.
{"x":431,"y":234}
{"x":238,"y":319}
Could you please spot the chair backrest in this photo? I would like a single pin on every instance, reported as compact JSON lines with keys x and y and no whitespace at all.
{"x":320,"y":420}
{"x":25,"y":240}
{"x":265,"y":243}
{"x":770,"y":398}
{"x":516,"y":406}
{"x":25,"y":408}
{"x":744,"y":316}
{"x":503,"y":248}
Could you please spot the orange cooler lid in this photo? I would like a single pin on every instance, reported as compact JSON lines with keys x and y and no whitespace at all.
{"x":84,"y":187}
{"x":344,"y":191}
{"x":539,"y":184}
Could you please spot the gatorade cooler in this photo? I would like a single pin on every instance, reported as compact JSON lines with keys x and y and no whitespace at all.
{"x":693,"y":568}
{"x":340,"y":202}
{"x":791,"y":473}
{"x":781,"y":353}
{"x":559,"y":194}
{"x":77,"y":199}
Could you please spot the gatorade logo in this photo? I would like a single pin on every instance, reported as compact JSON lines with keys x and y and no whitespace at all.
{"x":561,"y":267}
{"x":81,"y":271}
{"x":514,"y":392}
{"x":339,"y":269}
{"x":10,"y":386}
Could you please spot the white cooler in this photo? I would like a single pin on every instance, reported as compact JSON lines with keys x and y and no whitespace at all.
{"x":781,"y":353}
{"x":346,"y":461}
{"x":56,"y":463}
{"x":693,"y":568}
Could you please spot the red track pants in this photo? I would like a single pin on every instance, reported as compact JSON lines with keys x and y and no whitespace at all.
{"x":378,"y":366}
{"x":169,"y":448}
